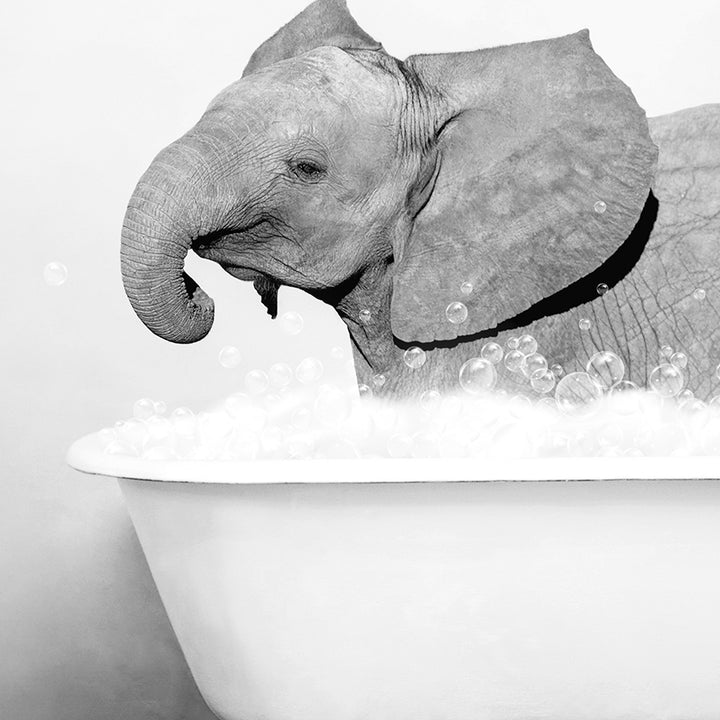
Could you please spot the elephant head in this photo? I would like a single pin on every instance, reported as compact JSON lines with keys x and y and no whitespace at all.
{"x":386,"y":185}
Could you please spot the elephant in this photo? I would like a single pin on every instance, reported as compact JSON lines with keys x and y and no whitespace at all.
{"x":440,"y":203}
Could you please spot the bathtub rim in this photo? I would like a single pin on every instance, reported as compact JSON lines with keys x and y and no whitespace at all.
{"x":87,"y":455}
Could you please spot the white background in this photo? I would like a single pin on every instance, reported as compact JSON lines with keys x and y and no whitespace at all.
{"x":91,"y":92}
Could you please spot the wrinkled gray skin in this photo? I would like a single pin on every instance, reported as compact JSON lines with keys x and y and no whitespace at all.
{"x":379,"y":185}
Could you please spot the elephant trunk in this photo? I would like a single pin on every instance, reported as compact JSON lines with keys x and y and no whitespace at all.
{"x":157,"y":234}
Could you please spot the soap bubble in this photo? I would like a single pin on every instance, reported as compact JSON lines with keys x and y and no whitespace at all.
{"x":514,"y":360}
{"x":492,"y":352}
{"x":533,"y":362}
{"x":466,"y":288}
{"x":257,"y":382}
{"x":576,"y":393}
{"x":229,"y":357}
{"x":512,"y":343}
{"x":309,"y":370}
{"x":699,"y":294}
{"x":143,"y":409}
{"x":414,"y":357}
{"x":55,"y":274}
{"x":602,"y":288}
{"x":679,"y":359}
{"x":183,"y":420}
{"x":666,"y":351}
{"x":399,"y":445}
{"x":292,"y":322}
{"x":364,"y":391}
{"x":424,"y":444}
{"x":337,"y":353}
{"x":280,"y":375}
{"x":685,"y":396}
{"x":302,"y":418}
{"x":159,"y":428}
{"x":272,"y":402}
{"x":365,"y":316}
{"x":160,"y":407}
{"x":625,"y":397}
{"x":430,"y":400}
{"x":542,"y":381}
{"x":379,"y":380}
{"x":527,"y":344}
{"x":584,"y":324}
{"x":606,"y":369}
{"x":717,"y":372}
{"x":477,"y":375}
{"x":600,"y":207}
{"x":715,"y":402}
{"x":666,"y":380}
{"x":557,"y":370}
{"x":456,"y":313}
{"x":332,"y":405}
{"x":299,"y":447}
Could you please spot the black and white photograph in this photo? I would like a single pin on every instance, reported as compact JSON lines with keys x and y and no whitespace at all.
{"x":361,"y":360}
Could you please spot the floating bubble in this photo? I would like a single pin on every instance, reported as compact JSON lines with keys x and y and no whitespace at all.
{"x":332,"y":405}
{"x":512,"y":343}
{"x":466,"y":288}
{"x":492,"y":352}
{"x":183,"y":420}
{"x":365,"y":316}
{"x":557,"y":370}
{"x":599,"y":207}
{"x":576,"y":393}
{"x":679,"y":359}
{"x":337,"y":353}
{"x":527,"y":344}
{"x":685,"y":396}
{"x":143,"y":409}
{"x":257,"y":382}
{"x":55,"y":274}
{"x":606,"y":369}
{"x":666,"y":380}
{"x":584,"y":324}
{"x":456,"y":313}
{"x":542,"y":381}
{"x":229,"y":357}
{"x":299,"y":447}
{"x":364,"y":391}
{"x":625,"y":397}
{"x":160,"y":407}
{"x":280,"y":375}
{"x":602,"y":288}
{"x":309,"y":370}
{"x":379,"y":380}
{"x":717,"y":372}
{"x":302,"y":418}
{"x":430,"y":399}
{"x":699,"y":294}
{"x":666,"y":351}
{"x":715,"y":401}
{"x":533,"y":362}
{"x":399,"y":445}
{"x":292,"y":322}
{"x":477,"y":375}
{"x":414,"y":357}
{"x":514,"y":360}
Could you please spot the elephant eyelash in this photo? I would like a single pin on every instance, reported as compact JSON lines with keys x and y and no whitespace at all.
{"x":307,"y":170}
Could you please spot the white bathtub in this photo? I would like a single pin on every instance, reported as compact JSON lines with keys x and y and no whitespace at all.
{"x":422,"y":590}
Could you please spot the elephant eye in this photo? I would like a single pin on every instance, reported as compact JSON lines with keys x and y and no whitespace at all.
{"x":307,"y":170}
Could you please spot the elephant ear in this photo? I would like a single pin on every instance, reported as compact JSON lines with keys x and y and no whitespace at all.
{"x":541,"y":170}
{"x":324,"y":22}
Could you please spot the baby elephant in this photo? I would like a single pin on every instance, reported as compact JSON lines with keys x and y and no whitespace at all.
{"x":441,"y":201}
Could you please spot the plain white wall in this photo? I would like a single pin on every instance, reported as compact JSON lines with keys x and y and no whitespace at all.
{"x":91,"y":91}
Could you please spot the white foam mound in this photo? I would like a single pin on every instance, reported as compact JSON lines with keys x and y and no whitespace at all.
{"x":327,"y":421}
